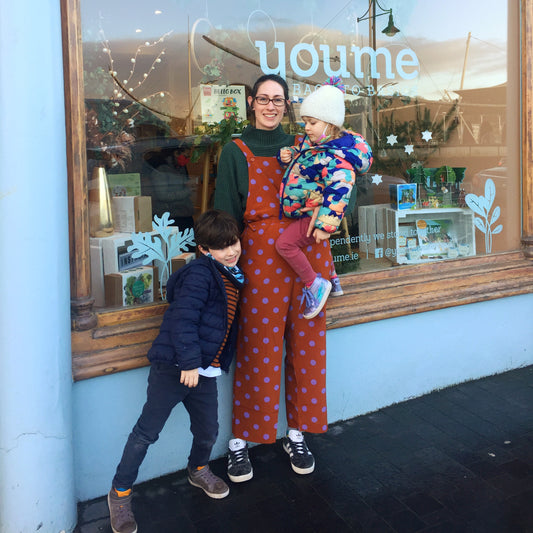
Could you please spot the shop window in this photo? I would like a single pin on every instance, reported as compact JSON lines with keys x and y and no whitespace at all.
{"x":436,"y":96}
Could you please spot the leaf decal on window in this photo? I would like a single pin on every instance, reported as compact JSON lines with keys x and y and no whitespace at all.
{"x":145,"y":244}
{"x":162,"y":244}
{"x":481,"y":205}
{"x":476,"y":203}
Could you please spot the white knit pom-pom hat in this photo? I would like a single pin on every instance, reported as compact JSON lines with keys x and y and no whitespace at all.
{"x":326,"y":103}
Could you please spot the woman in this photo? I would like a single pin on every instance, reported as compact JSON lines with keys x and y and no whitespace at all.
{"x":248,"y":182}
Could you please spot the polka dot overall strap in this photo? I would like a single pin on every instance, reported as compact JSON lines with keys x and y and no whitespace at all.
{"x":265,"y":176}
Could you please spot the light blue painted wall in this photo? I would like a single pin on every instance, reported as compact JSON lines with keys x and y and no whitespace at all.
{"x":36,"y":453}
{"x":370,"y":366}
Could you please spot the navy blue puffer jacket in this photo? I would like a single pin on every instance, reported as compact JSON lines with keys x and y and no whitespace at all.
{"x":194,"y":325}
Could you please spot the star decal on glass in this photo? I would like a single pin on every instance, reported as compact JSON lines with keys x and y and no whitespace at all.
{"x":427,"y":135}
{"x":392,"y":139}
{"x":376,"y":179}
{"x":409,"y":148}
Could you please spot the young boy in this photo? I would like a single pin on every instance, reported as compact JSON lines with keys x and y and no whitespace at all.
{"x":195,"y":343}
{"x":318,"y":184}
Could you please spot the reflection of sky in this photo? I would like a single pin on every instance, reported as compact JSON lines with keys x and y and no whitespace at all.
{"x":437,"y":31}
{"x":434,"y":20}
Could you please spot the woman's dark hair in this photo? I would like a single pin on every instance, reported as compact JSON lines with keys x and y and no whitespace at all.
{"x":270,"y":77}
{"x":215,"y":230}
{"x":278,"y":79}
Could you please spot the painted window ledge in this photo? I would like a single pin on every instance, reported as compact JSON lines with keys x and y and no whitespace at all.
{"x":121,"y":339}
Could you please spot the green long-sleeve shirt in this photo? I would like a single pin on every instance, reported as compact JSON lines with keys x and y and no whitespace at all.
{"x":231,"y":190}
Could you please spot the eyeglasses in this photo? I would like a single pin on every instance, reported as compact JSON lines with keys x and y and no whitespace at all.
{"x":263,"y":100}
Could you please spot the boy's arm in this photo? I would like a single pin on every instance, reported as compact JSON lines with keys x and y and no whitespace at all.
{"x":189,"y":302}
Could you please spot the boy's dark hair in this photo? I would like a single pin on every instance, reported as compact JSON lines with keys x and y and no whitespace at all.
{"x":215,"y":229}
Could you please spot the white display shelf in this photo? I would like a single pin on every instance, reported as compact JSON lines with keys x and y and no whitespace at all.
{"x":426,"y":235}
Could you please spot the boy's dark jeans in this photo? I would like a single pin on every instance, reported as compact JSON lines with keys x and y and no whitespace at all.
{"x":164,"y":392}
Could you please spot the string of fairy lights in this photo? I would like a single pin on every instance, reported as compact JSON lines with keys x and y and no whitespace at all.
{"x":126,"y":85}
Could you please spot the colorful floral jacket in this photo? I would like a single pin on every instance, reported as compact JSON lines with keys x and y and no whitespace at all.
{"x":323,"y":175}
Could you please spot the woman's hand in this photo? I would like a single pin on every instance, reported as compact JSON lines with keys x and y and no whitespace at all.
{"x":190,"y":378}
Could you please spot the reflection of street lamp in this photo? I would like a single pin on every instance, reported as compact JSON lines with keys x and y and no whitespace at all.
{"x":390,"y":31}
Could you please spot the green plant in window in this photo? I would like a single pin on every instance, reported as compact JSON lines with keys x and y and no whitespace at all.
{"x":444,"y":174}
{"x":217,"y":134}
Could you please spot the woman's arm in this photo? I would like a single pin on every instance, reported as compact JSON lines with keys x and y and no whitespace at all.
{"x":231,"y":188}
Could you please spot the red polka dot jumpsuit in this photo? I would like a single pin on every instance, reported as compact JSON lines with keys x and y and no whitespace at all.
{"x":270,"y":312}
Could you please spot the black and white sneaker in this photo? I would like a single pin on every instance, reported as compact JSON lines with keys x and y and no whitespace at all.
{"x":239,"y":465}
{"x":302,"y":460}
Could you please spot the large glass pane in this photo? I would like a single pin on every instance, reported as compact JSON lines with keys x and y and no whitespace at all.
{"x":165,"y":87}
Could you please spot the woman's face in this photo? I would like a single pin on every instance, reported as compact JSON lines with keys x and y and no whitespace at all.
{"x":268,"y":116}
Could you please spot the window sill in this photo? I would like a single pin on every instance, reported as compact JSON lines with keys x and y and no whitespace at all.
{"x":121,"y":338}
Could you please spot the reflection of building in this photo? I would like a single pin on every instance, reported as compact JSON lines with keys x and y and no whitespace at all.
{"x":464,"y":129}
{"x":482,"y":114}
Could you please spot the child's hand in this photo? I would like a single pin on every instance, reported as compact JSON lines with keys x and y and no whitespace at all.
{"x":285,"y":155}
{"x":190,"y":378}
{"x":321,"y":235}
{"x":318,"y":234}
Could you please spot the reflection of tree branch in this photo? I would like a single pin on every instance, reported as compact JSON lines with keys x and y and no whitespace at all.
{"x":145,"y":105}
{"x":250,"y":60}
{"x":292,"y":76}
{"x":135,"y":99}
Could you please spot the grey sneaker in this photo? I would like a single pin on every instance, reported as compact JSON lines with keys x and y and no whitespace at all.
{"x":302,"y":460}
{"x":212,"y":485}
{"x":239,"y":465}
{"x":122,"y":519}
{"x":336,"y":288}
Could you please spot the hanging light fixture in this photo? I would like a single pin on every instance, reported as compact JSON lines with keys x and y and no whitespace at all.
{"x":391,"y":30}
